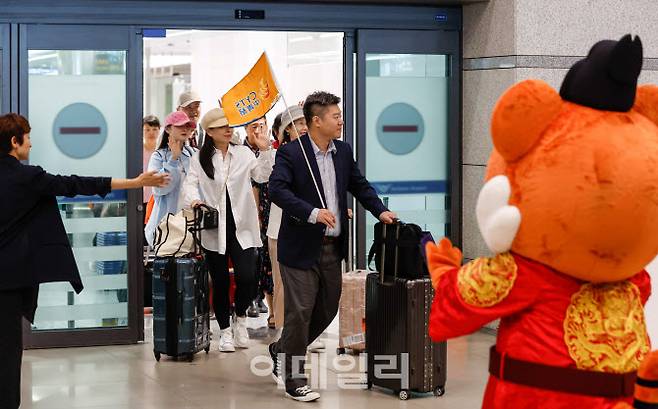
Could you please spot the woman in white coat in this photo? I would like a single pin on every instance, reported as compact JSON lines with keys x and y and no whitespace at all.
{"x":220,"y":176}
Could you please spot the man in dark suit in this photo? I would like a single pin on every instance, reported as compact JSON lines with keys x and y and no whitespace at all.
{"x":34,"y":247}
{"x":313,"y":238}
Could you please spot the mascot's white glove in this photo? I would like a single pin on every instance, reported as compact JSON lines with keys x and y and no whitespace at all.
{"x":498,"y":221}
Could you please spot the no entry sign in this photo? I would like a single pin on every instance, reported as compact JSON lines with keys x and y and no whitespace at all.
{"x":80,"y":130}
{"x":400,"y":128}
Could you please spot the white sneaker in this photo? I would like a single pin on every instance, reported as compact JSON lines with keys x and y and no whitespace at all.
{"x":226,"y":340}
{"x":316,"y":345}
{"x":241,"y":336}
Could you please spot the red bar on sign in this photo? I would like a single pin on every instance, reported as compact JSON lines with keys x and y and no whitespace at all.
{"x":400,"y":128}
{"x":79,"y":130}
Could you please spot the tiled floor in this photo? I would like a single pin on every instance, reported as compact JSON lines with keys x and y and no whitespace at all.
{"x":122,"y":377}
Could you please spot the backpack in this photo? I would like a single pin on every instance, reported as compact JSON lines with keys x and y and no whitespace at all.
{"x":399,"y":250}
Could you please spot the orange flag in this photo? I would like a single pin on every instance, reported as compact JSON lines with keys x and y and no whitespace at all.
{"x":253,"y":96}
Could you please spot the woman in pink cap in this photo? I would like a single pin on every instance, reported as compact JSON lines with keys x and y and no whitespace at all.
{"x":173,"y":157}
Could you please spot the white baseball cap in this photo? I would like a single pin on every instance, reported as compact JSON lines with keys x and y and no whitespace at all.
{"x":186,"y":98}
{"x":291,"y":114}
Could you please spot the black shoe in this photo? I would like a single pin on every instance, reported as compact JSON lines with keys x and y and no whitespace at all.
{"x":302,"y":394}
{"x":276,"y":364}
{"x":262,"y":308}
{"x":252,"y":311}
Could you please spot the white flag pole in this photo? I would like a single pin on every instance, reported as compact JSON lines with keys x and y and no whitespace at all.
{"x":308,"y":164}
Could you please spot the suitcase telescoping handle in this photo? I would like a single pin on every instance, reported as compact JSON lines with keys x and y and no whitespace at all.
{"x":397,"y":223}
{"x":350,"y":252}
{"x":382,"y":274}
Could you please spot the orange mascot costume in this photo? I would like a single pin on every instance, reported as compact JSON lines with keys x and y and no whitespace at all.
{"x":570,"y":210}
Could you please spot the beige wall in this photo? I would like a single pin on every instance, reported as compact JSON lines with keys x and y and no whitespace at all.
{"x":506,"y":41}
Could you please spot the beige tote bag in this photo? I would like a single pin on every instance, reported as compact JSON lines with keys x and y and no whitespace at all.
{"x":173,"y":237}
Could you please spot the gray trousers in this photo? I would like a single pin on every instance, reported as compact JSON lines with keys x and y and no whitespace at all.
{"x":311,"y":300}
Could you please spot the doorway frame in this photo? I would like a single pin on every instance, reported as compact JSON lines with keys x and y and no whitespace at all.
{"x":136,"y":16}
{"x":415,"y":42}
{"x":99,"y":38}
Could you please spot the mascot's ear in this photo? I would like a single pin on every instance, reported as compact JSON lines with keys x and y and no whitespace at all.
{"x":646,"y":102}
{"x":520,"y":117}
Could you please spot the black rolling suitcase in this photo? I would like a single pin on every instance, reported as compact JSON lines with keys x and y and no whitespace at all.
{"x":401,"y":355}
{"x":181,"y":319}
{"x":181,"y":309}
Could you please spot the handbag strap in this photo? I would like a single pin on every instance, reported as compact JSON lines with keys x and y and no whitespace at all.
{"x":371,"y":253}
{"x":196,"y":228}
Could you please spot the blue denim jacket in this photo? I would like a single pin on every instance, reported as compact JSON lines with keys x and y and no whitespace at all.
{"x":166,"y":199}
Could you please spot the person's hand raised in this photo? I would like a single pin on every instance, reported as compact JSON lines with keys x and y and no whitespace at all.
{"x":262,"y":140}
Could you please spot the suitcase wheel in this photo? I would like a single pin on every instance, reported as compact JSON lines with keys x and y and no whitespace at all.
{"x":189,"y":357}
{"x":340,"y":351}
{"x":157,"y":356}
{"x":403,"y":394}
{"x":207,"y":349}
{"x":439,"y":391}
{"x":369,"y":385}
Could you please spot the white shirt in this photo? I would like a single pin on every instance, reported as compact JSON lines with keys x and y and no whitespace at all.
{"x":325,"y":163}
{"x":241,"y":166}
{"x":276,"y":214}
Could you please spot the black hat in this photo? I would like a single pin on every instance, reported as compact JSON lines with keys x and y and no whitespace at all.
{"x":607,"y":78}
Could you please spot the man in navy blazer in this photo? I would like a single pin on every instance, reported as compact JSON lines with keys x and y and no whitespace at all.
{"x":34,"y":247}
{"x":313,"y":238}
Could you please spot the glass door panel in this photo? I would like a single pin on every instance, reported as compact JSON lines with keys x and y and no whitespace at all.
{"x":82,"y":131}
{"x":408,"y":131}
{"x":407,"y":136}
{"x":81,"y":91}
